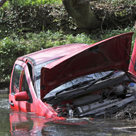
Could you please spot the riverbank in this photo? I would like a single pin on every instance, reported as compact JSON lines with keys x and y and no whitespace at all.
{"x":4,"y":87}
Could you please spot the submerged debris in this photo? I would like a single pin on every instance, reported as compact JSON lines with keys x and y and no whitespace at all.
{"x":128,"y":113}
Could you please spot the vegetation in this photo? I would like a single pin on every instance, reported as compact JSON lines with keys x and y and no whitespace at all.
{"x":14,"y":42}
{"x":119,"y":2}
{"x":30,"y":3}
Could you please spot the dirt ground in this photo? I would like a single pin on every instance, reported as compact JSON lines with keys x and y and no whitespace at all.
{"x":114,"y":17}
{"x":48,"y":17}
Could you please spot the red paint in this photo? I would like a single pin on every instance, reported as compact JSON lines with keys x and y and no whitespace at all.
{"x":21,"y":96}
{"x":133,"y":60}
{"x":20,"y":123}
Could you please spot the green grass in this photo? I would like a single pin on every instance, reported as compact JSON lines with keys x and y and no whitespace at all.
{"x":7,"y":4}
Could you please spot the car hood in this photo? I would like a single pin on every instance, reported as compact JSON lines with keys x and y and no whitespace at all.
{"x":110,"y":54}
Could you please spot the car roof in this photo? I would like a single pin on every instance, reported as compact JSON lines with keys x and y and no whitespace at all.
{"x":52,"y":53}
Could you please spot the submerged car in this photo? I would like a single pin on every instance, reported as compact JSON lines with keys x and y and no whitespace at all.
{"x":75,"y":80}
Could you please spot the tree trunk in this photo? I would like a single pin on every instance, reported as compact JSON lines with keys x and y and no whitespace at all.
{"x":2,"y":2}
{"x":80,"y":10}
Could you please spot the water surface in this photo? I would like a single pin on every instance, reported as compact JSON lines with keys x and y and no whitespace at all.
{"x":13,"y":123}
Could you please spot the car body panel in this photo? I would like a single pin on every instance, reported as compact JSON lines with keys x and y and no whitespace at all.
{"x":109,"y":54}
{"x":37,"y":105}
{"x":132,"y":65}
{"x":21,"y":105}
{"x":53,"y":53}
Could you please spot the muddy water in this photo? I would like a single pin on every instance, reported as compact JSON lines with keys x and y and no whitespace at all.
{"x":29,"y":124}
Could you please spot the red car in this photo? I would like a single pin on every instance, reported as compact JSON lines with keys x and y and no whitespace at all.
{"x":75,"y":80}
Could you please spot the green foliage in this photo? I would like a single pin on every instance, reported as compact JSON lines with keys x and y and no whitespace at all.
{"x":30,"y":2}
{"x":10,"y":49}
{"x":52,"y":39}
{"x":5,"y":5}
{"x":13,"y":46}
{"x":110,"y":33}
{"x":119,"y":2}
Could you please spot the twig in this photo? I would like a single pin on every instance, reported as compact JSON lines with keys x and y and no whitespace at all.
{"x":103,"y":21}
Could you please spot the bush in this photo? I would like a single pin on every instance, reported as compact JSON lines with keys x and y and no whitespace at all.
{"x":29,"y":3}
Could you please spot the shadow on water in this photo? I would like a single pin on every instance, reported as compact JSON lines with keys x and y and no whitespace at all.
{"x":14,"y":123}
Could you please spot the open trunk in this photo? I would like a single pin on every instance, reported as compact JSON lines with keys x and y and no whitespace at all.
{"x":92,"y":81}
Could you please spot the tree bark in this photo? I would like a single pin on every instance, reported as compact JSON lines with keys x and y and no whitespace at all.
{"x":80,"y":10}
{"x":2,"y":2}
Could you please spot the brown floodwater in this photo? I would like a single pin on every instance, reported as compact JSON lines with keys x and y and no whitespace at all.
{"x":13,"y":123}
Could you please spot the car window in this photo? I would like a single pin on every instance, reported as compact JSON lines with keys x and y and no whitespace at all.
{"x":25,"y":87}
{"x":16,"y":78}
{"x":37,"y":74}
{"x":30,"y":70}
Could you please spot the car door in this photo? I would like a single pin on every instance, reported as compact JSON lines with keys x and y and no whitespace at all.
{"x":21,"y":81}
